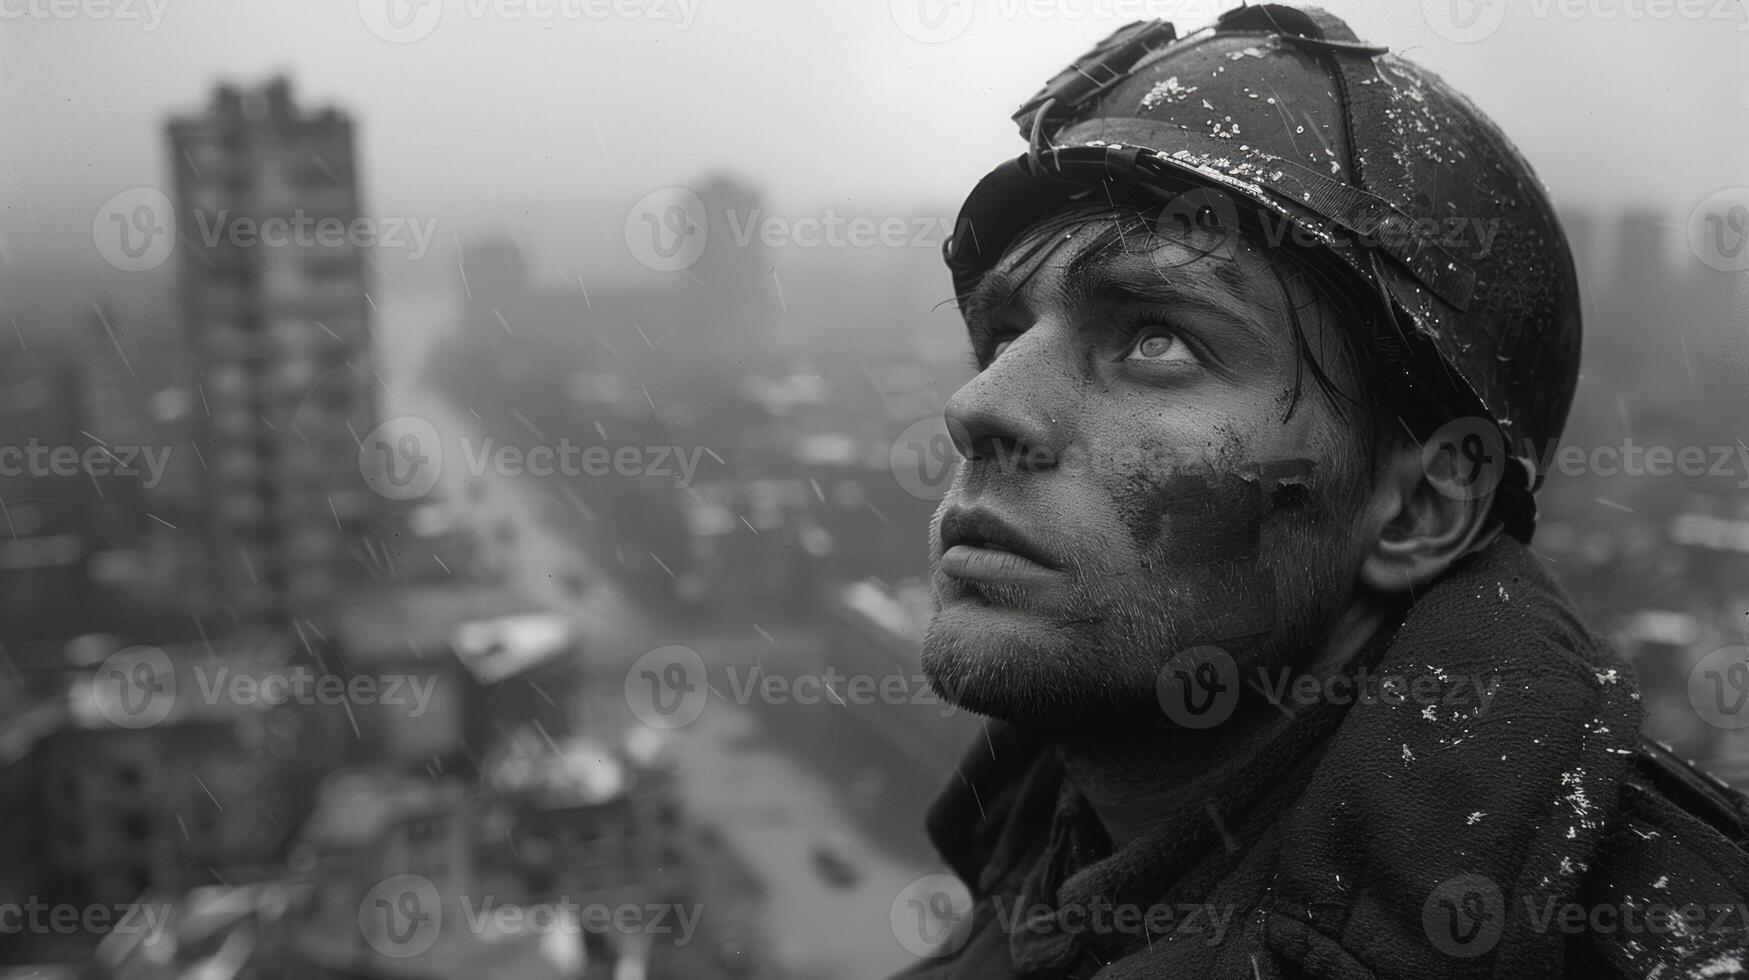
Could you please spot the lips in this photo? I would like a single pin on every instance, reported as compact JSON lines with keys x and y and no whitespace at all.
{"x":979,"y":546}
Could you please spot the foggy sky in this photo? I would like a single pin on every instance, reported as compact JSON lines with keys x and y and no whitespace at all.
{"x":820,"y":102}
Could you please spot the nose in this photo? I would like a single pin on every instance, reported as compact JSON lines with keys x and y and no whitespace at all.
{"x":1017,"y":410}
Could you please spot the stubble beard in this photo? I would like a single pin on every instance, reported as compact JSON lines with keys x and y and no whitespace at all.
{"x":1094,"y":678}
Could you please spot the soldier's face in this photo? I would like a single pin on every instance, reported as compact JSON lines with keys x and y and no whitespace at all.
{"x":1134,"y":483}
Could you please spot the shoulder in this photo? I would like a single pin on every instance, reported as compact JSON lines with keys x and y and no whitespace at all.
{"x":1669,"y":893}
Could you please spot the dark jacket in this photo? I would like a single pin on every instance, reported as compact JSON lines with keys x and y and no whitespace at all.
{"x":1537,"y":836}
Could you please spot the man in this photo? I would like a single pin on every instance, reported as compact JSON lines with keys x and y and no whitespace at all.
{"x":1265,"y":321}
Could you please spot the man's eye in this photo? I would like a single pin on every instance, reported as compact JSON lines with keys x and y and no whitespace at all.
{"x":1160,"y":346}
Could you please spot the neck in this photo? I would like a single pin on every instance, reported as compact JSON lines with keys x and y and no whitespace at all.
{"x":1130,"y":782}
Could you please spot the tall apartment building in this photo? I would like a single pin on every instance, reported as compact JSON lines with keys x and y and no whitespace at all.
{"x":48,"y":511}
{"x":280,"y":325}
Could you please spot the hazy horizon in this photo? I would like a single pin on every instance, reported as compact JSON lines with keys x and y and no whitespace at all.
{"x":496,"y":122}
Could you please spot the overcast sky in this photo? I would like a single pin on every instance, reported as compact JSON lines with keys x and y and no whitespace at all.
{"x":489,"y":110}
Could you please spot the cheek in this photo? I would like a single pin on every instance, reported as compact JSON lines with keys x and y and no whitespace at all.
{"x":1186,"y":489}
{"x":1216,"y":505}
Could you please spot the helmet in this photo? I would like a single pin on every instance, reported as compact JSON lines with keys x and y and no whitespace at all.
{"x":1283,"y":117}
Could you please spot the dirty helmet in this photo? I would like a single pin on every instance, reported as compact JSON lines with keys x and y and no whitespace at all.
{"x":1280,"y":114}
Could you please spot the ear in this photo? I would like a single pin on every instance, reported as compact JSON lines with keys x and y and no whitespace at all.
{"x":1418,"y":522}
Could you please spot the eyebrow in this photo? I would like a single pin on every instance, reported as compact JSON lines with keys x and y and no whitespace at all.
{"x":1135,"y":278}
{"x":1126,"y":277}
{"x":996,"y":291}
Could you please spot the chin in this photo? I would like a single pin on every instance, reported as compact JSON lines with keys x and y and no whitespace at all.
{"x":991,"y":632}
{"x":1024,"y":666}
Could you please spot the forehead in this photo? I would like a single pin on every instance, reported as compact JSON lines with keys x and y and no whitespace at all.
{"x":1078,"y":263}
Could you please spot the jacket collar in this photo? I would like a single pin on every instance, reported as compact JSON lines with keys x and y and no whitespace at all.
{"x":1410,"y":834}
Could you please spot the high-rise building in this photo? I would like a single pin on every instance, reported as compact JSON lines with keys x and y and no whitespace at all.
{"x":49,"y":505}
{"x":273,"y":289}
